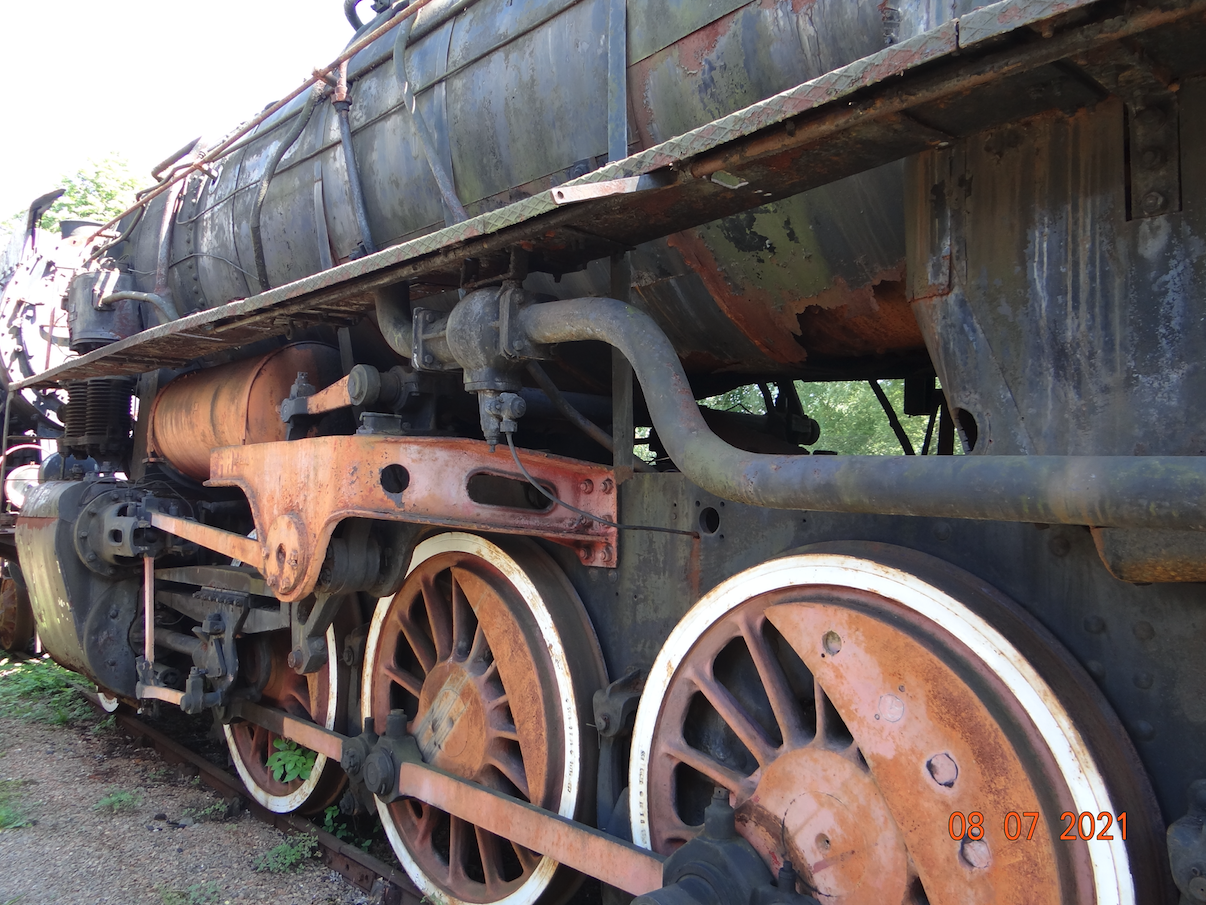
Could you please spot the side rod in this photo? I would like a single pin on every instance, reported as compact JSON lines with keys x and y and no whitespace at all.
{"x":583,"y":848}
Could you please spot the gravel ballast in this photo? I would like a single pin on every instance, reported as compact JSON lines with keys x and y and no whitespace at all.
{"x":110,"y":822}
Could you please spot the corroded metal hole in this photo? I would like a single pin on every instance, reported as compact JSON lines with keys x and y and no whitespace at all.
{"x":394,"y":479}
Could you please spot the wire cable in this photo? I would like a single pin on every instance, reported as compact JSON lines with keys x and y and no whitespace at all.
{"x":602,"y":521}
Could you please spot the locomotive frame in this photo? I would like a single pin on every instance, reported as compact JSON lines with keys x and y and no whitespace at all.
{"x":745,"y":674}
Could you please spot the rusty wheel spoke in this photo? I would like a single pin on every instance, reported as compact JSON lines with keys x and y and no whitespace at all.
{"x":491,"y":853}
{"x":528,"y":859}
{"x":419,"y":643}
{"x":731,"y":779}
{"x":822,"y":737}
{"x":259,"y":739}
{"x":788,"y":713}
{"x":511,"y":766}
{"x":425,"y":823}
{"x":407,"y":680}
{"x":458,"y":833}
{"x":464,"y":623}
{"x":735,"y":717}
{"x":439,"y":616}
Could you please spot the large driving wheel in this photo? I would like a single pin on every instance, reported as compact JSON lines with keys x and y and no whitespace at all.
{"x":489,"y":651}
{"x":319,"y":697}
{"x":890,"y":725}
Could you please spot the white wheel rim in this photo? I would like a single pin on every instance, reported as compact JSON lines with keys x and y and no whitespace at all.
{"x":1109,"y":860}
{"x":285,"y":804}
{"x":459,"y":542}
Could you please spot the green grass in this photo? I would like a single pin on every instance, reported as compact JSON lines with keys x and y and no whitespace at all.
{"x":117,"y":800}
{"x":288,"y":856}
{"x":12,"y":813}
{"x":43,"y":692}
{"x":217,"y":811}
{"x":198,"y":894}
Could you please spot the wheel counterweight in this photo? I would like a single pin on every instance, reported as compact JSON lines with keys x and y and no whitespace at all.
{"x":489,"y":652}
{"x":877,"y":725}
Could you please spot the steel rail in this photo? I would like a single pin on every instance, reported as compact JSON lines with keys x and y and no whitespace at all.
{"x":358,"y":867}
{"x":583,"y":848}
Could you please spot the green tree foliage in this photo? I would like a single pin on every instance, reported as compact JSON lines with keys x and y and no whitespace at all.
{"x":851,"y":418}
{"x":100,"y":190}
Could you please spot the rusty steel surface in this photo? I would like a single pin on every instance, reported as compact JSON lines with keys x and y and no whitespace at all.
{"x":284,"y":725}
{"x":843,"y":122}
{"x":232,"y":404}
{"x":235,"y":546}
{"x":575,"y":845}
{"x":425,"y":480}
{"x":844,"y":797}
{"x":327,"y":400}
{"x":879,"y":674}
{"x":488,"y":654}
{"x":452,"y":642}
{"x":308,"y":694}
{"x":16,"y":616}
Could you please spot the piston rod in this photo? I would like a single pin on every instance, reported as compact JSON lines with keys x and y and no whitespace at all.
{"x":1100,"y":491}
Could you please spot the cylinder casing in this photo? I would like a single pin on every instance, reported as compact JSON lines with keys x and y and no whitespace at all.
{"x":232,"y":405}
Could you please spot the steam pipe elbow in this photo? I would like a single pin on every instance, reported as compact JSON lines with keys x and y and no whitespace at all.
{"x":164,"y":305}
{"x":393,"y":320}
{"x":1102,"y":491}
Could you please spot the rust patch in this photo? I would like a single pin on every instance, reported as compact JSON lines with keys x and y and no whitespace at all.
{"x":870,"y":320}
{"x":840,"y":321}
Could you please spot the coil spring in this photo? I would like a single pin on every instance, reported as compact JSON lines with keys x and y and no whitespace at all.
{"x":73,"y":415}
{"x":96,"y":419}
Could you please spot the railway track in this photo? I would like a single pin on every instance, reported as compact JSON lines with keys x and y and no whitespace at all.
{"x":368,"y":873}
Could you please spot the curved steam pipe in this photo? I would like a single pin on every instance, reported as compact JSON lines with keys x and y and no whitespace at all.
{"x":164,"y":305}
{"x":1101,"y":491}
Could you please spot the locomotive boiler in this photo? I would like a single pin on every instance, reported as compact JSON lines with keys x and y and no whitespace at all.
{"x":347,"y":411}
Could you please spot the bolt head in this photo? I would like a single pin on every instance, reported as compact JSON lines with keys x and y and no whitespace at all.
{"x":1152,"y":158}
{"x":975,"y":853}
{"x":295,"y":659}
{"x":587,"y":486}
{"x":943,"y":769}
{"x":1197,"y":889}
{"x":1153,"y":202}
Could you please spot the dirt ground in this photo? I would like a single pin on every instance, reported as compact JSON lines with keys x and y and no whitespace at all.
{"x":109,"y":822}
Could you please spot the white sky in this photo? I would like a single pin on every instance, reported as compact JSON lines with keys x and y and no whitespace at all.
{"x":142,"y":77}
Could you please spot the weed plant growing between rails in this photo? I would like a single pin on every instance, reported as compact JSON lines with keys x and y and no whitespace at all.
{"x":290,"y":855}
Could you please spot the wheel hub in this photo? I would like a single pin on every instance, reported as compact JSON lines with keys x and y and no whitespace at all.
{"x":452,"y":728}
{"x":826,"y":814}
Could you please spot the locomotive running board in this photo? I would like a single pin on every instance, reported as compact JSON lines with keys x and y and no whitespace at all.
{"x":995,"y":65}
{"x":583,"y":848}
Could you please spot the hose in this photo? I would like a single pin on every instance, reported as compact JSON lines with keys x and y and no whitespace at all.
{"x":257,"y":242}
{"x":1101,"y":491}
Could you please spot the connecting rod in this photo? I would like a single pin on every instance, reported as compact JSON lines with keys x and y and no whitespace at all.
{"x":1099,"y":491}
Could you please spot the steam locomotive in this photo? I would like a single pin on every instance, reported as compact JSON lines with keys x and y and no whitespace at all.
{"x":374,"y":428}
